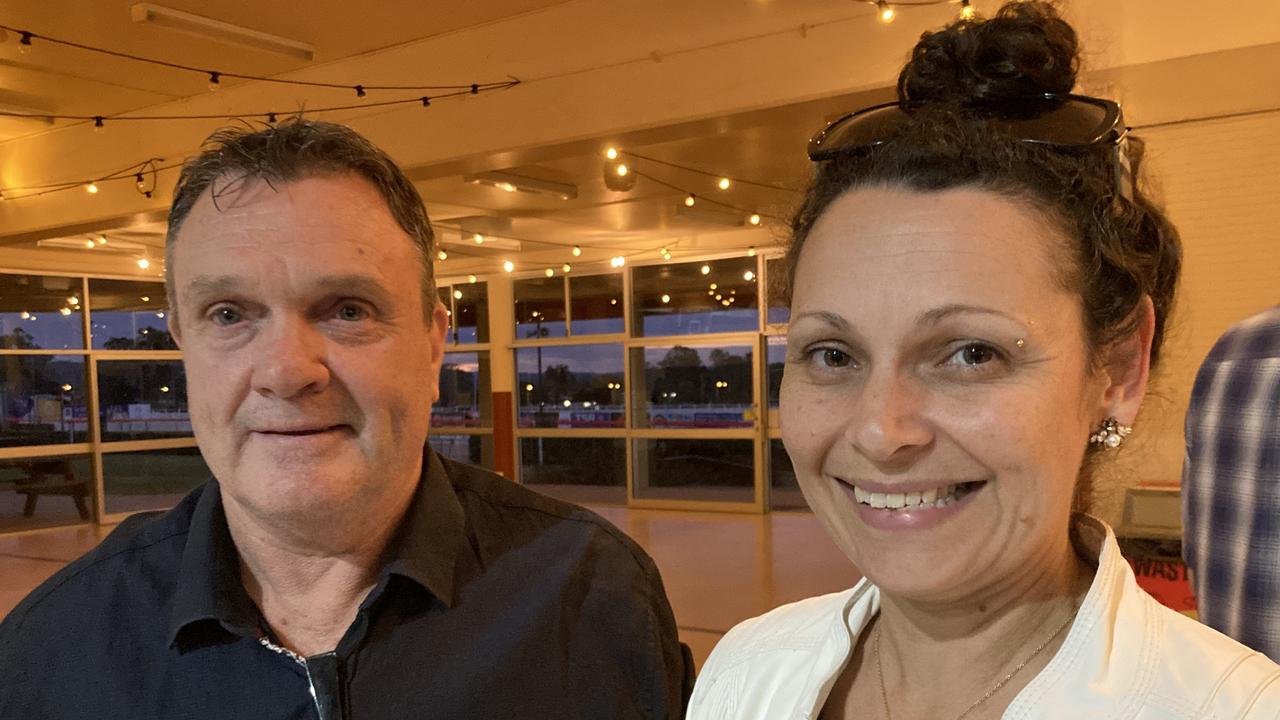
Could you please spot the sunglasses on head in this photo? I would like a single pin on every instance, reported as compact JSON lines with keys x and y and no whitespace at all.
{"x":1057,"y":120}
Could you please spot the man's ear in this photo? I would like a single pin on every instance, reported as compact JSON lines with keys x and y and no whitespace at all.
{"x":436,"y":334}
{"x":1127,"y":364}
{"x":175,"y":329}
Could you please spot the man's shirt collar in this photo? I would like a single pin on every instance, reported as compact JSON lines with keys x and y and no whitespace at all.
{"x":425,"y":549}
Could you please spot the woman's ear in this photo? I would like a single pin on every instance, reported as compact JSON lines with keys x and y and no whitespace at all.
{"x":1127,"y":364}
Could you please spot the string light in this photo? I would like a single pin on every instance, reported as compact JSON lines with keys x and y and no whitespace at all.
{"x":24,"y":45}
{"x":102,"y":239}
{"x":621,"y":170}
{"x":751,"y":251}
{"x":706,"y":269}
{"x":549,"y":272}
{"x":576,"y":251}
{"x":724,"y":183}
{"x":886,"y":13}
{"x":91,"y":188}
{"x":64,"y":311}
{"x":472,"y":279}
{"x":690,"y":200}
{"x":144,"y":263}
{"x":567,"y":268}
{"x":617,"y":261}
{"x":89,"y":244}
{"x":666,"y":299}
{"x":442,"y":255}
{"x":666,"y":254}
{"x":478,"y":238}
{"x":360,"y":91}
{"x":611,"y":153}
{"x":967,"y":11}
{"x":748,"y":276}
{"x":714,"y":286}
{"x":508,"y":266}
{"x":754,"y":219}
{"x":97,"y":123}
{"x":457,"y":294}
{"x":215,"y":81}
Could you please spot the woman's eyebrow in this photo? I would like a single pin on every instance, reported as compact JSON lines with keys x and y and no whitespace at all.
{"x":939,"y":314}
{"x":827,"y":317}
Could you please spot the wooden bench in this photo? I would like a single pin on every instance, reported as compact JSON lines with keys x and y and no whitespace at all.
{"x":54,"y":476}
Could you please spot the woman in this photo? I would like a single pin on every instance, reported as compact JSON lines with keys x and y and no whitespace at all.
{"x":977,"y":295}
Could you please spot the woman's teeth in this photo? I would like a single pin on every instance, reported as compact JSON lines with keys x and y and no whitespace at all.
{"x":937,"y":497}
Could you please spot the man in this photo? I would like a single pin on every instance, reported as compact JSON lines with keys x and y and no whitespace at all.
{"x":333,"y":567}
{"x":1231,"y":484}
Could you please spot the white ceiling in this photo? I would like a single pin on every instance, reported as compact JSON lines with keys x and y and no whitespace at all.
{"x":740,"y":114}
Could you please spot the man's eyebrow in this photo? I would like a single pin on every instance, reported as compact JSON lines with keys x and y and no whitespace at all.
{"x":939,"y":314}
{"x":203,"y":286}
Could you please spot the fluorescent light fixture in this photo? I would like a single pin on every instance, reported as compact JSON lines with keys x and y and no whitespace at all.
{"x":512,"y":182}
{"x":218,"y":30}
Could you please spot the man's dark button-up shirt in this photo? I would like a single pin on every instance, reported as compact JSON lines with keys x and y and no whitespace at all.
{"x":495,"y":602}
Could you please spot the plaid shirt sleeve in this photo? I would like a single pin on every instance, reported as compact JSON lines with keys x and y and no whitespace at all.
{"x":1231,"y":484}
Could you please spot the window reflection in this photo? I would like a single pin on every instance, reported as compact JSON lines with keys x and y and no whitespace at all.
{"x":595,"y":304}
{"x":45,"y":491}
{"x":570,"y":386}
{"x":41,"y":312}
{"x":464,"y":391}
{"x":784,"y":490}
{"x":470,"y":449}
{"x":711,"y":470}
{"x":591,"y":470}
{"x":151,"y":479}
{"x":539,"y":308}
{"x":698,"y":297}
{"x":693,"y":387}
{"x":43,"y":397}
{"x":142,"y":400}
{"x":469,"y":323}
{"x":129,"y":315}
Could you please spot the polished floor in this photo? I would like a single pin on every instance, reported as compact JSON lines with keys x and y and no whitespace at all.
{"x":719,"y":568}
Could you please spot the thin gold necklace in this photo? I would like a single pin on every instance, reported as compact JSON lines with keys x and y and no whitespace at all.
{"x":884,"y":695}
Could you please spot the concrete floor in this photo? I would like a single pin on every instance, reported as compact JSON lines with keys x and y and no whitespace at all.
{"x":719,"y":568}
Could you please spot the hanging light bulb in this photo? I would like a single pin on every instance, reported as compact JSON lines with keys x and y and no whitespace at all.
{"x":360,"y":93}
{"x":549,"y":272}
{"x":690,"y":201}
{"x":24,"y":44}
{"x":91,"y":188}
{"x":97,"y":123}
{"x":754,"y":219}
{"x":508,"y":266}
{"x":967,"y":12}
{"x":577,"y":251}
{"x":611,"y":153}
{"x":617,"y":261}
{"x":457,"y":294}
{"x":724,"y":183}
{"x":215,"y":81}
{"x":666,"y":254}
{"x":748,"y":276}
{"x":706,"y":269}
{"x":139,"y":183}
{"x":886,"y":13}
{"x":102,"y":239}
{"x":144,"y":263}
{"x":622,"y":170}
{"x":442,"y":255}
{"x":751,"y":251}
{"x":478,"y":238}
{"x":90,"y":244}
{"x":567,"y":268}
{"x":665,"y":299}
{"x":472,"y":279}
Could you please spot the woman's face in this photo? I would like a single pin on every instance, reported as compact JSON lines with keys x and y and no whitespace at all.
{"x":938,"y":395}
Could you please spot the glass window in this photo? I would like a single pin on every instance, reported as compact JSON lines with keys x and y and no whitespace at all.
{"x":712,"y":470}
{"x":470,"y":320}
{"x":43,"y":399}
{"x":697,"y":297}
{"x":150,"y":479}
{"x":128,"y":315}
{"x":776,"y":359}
{"x":539,"y":308}
{"x":693,"y":387}
{"x":43,"y":492}
{"x":570,"y":386}
{"x":779,"y":313}
{"x":465,"y":400}
{"x":595,"y":304}
{"x":40,"y":312}
{"x":142,"y":399}
{"x":577,"y":469}
{"x":784,"y":491}
{"x":471,"y":449}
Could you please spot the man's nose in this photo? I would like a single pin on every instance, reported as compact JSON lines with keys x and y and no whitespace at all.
{"x":888,"y":423}
{"x":291,"y":359}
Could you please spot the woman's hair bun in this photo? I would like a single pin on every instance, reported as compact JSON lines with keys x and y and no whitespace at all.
{"x":1025,"y":49}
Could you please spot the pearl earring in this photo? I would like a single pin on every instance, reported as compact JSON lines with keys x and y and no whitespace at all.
{"x":1111,"y":434}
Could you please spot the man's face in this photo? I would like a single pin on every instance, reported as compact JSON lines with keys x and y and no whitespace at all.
{"x":311,"y":366}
